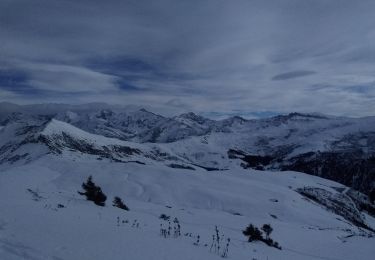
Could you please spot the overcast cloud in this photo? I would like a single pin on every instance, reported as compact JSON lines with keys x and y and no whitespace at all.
{"x":216,"y":57}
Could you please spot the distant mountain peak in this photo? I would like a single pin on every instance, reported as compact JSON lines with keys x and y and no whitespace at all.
{"x":193,"y":116}
{"x":308,"y":115}
{"x":282,"y":141}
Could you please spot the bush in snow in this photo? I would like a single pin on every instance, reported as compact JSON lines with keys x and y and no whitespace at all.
{"x":135,"y":223}
{"x":176,"y":228}
{"x":217,"y":239}
{"x":35,"y":195}
{"x":267,"y":229}
{"x":218,"y":245}
{"x":163,"y":231}
{"x":164,"y":217}
{"x":253,"y":233}
{"x":117,"y":202}
{"x":93,"y":192}
{"x":196,"y":243}
{"x":226,"y":249}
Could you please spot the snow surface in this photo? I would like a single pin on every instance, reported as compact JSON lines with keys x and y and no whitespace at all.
{"x":56,"y":127}
{"x":34,"y":227}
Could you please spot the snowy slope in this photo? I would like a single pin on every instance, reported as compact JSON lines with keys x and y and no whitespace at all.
{"x":34,"y":227}
{"x":181,"y":167}
{"x":23,"y":141}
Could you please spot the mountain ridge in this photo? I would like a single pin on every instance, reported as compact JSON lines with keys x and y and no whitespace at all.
{"x":337,"y":148}
{"x":211,"y":175}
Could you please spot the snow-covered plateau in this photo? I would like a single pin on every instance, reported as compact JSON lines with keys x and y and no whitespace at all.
{"x":192,"y":185}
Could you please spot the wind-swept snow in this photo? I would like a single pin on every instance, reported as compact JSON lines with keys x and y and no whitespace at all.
{"x":39,"y":229}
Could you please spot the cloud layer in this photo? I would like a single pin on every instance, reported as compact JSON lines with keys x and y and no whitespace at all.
{"x":218,"y":57}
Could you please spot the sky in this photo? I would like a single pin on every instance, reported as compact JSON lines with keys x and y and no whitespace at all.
{"x":214,"y":57}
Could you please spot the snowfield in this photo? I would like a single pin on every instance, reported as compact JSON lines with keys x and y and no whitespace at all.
{"x":196,"y":172}
{"x":43,"y":217}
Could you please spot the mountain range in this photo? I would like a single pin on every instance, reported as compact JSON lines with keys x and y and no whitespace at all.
{"x":190,"y":187}
{"x":337,"y":148}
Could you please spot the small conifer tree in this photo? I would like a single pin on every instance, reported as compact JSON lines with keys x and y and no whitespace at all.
{"x":93,"y":193}
{"x":267,"y":229}
{"x":253,"y":233}
{"x":117,"y":202}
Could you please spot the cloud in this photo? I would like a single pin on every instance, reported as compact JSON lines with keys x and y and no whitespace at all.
{"x":14,"y":80}
{"x":205,"y":56}
{"x":27,"y":77}
{"x":64,"y":78}
{"x":293,"y":74}
{"x":7,"y":95}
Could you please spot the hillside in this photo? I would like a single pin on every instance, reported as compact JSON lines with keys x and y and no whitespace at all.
{"x":44,"y":217}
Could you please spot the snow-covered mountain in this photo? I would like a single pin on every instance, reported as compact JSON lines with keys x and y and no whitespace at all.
{"x":337,"y":148}
{"x":197,"y":170}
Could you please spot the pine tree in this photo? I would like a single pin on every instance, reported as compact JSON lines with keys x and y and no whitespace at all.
{"x":267,"y":230}
{"x":117,"y":202}
{"x":253,"y":233}
{"x":93,"y":193}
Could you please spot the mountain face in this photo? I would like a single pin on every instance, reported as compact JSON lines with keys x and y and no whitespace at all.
{"x":340,"y":149}
{"x":188,"y":181}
